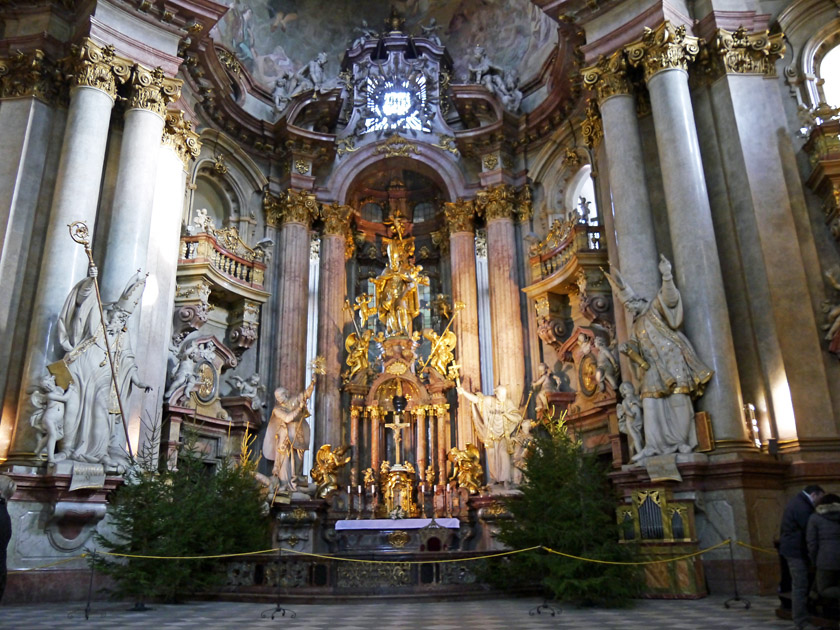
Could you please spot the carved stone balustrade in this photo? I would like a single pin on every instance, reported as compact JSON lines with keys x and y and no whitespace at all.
{"x":223,"y":254}
{"x":565,"y":240}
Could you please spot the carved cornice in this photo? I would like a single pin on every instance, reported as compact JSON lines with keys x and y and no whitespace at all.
{"x":178,"y":134}
{"x":336,"y":218}
{"x":460,"y":215}
{"x":740,"y":52}
{"x":592,"y":127}
{"x":666,"y":47}
{"x":496,"y":202}
{"x":97,"y":67}
{"x":293,"y":207}
{"x":151,"y":90}
{"x":30,"y":74}
{"x":608,"y":77}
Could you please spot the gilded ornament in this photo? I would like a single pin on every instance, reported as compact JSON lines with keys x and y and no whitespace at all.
{"x":98,"y":67}
{"x":178,"y":134}
{"x":296,"y":206}
{"x":397,"y":368}
{"x":466,"y":468}
{"x":447,"y":143}
{"x":29,"y":74}
{"x":592,"y":128}
{"x":571,"y":160}
{"x":496,"y":202}
{"x":328,"y":462}
{"x":490,"y":161}
{"x":397,"y":146}
{"x":229,"y":61}
{"x":460,"y":215}
{"x":524,"y":206}
{"x":336,"y":218}
{"x":398,"y":539}
{"x":740,"y":52}
{"x":346,"y":145}
{"x":152,"y":90}
{"x":272,"y":208}
{"x":302,"y":166}
{"x":666,"y":47}
{"x":298,"y":514}
{"x":608,"y":77}
{"x":496,"y":509}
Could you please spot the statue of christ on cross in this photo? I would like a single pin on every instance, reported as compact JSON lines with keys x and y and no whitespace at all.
{"x":397,"y":427}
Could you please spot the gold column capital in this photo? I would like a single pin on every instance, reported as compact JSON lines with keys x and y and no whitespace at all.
{"x":336,"y":218}
{"x":608,"y":76}
{"x":152,"y":90}
{"x":30,"y":74}
{"x":667,"y":47}
{"x":295,"y":206}
{"x":460,"y":215}
{"x":178,"y":133}
{"x":592,"y":127}
{"x":496,"y":202}
{"x":98,"y":67}
{"x":741,"y":52}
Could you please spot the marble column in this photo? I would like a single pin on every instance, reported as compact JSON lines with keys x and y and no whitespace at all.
{"x":664,"y":55}
{"x":420,"y":418}
{"x":96,"y":73}
{"x":375,"y":417}
{"x":179,"y":146}
{"x":331,"y":318}
{"x":497,"y":204}
{"x":134,"y":189}
{"x":296,"y":212}
{"x":459,"y":218}
{"x":26,"y":130}
{"x":441,"y":412}
{"x":634,"y":230}
{"x":355,"y":444}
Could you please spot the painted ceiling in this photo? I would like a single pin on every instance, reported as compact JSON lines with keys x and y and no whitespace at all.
{"x":272,"y":36}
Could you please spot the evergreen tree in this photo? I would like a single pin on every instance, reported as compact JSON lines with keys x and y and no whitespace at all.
{"x":189,"y":510}
{"x":567,"y":505}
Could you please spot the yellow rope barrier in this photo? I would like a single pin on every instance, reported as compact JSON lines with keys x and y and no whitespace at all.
{"x":689,"y":555}
{"x":223,"y":555}
{"x":51,"y":564}
{"x":492,"y":555}
{"x":761,"y":549}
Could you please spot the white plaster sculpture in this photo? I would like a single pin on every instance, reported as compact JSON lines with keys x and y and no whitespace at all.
{"x":48,"y":419}
{"x":250,"y":388}
{"x":184,"y":374}
{"x":430,"y":31}
{"x":92,"y":431}
{"x":832,"y":314}
{"x":365,"y":33}
{"x":202,"y":222}
{"x":287,"y":436}
{"x":503,"y":84}
{"x":546,"y":383}
{"x":495,"y":418}
{"x":671,"y":373}
{"x":630,"y":419}
{"x":284,"y":89}
{"x":606,"y":370}
{"x":521,"y":444}
{"x":313,"y":76}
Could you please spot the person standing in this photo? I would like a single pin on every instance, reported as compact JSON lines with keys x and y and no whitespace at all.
{"x":793,"y":546}
{"x":7,"y":489}
{"x":823,"y":538}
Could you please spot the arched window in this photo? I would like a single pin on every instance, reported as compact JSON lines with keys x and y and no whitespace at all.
{"x":829,"y":73}
{"x":424,"y":211}
{"x":580,"y":195}
{"x":371,"y":212}
{"x":209,"y":195}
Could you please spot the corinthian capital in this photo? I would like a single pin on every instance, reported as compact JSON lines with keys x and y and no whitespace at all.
{"x":667,"y":47}
{"x":152,"y":90}
{"x":300,"y":207}
{"x":29,"y":74}
{"x":459,"y":215}
{"x":178,"y":134}
{"x":98,"y":67}
{"x":496,"y":202}
{"x":608,"y":77}
{"x":336,"y":218}
{"x":740,"y":52}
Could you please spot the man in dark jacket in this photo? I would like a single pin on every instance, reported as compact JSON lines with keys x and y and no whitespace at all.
{"x":823,"y":537}
{"x":7,"y":489}
{"x":793,"y":547}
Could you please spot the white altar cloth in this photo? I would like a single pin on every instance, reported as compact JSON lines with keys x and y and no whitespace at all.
{"x":399,"y":523}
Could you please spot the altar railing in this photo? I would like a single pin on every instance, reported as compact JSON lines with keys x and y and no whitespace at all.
{"x":242,"y":266}
{"x":564,"y":240}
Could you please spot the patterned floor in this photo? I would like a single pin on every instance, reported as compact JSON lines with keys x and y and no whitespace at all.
{"x":487,"y":615}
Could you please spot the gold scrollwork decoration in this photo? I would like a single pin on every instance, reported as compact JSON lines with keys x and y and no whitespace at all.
{"x":30,"y":74}
{"x":608,"y":77}
{"x":397,"y":146}
{"x":178,"y":133}
{"x":229,"y":61}
{"x":490,"y":161}
{"x":741,"y":52}
{"x":302,"y":166}
{"x":667,"y":47}
{"x":152,"y":90}
{"x":398,"y":539}
{"x":98,"y":67}
{"x":447,"y":143}
{"x":460,"y":215}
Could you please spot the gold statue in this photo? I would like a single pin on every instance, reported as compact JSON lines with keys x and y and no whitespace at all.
{"x":442,"y":353}
{"x":369,"y":479}
{"x":466,"y":468}
{"x":357,"y":353}
{"x":397,"y":302}
{"x":325,"y":471}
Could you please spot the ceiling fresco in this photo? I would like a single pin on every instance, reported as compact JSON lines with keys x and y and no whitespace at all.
{"x":273,"y":36}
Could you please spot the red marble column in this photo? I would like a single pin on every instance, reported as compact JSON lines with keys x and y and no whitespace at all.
{"x":420,"y":418}
{"x":459,"y":218}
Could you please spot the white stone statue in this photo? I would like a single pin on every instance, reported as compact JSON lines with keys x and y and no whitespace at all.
{"x":284,"y":89}
{"x":287,"y":436}
{"x":546,"y":383}
{"x":630,"y":419}
{"x":508,"y":91}
{"x":606,"y":370}
{"x":495,"y":418}
{"x":92,"y":431}
{"x":313,"y":76}
{"x":184,"y":374}
{"x":430,"y":31}
{"x":671,"y":373}
{"x":250,"y":388}
{"x":365,"y":33}
{"x":521,"y":444}
{"x":48,"y":419}
{"x":832,"y":314}
{"x":202,"y":222}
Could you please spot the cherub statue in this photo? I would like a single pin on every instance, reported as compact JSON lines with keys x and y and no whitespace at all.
{"x":466,"y":468}
{"x":284,"y":89}
{"x":325,"y":471}
{"x":430,"y":31}
{"x":546,"y":383}
{"x":368,"y":477}
{"x":365,"y":33}
{"x":357,"y":353}
{"x":508,"y":91}
{"x":202,"y":222}
{"x":48,"y":418}
{"x":606,"y":371}
{"x":184,"y":373}
{"x":442,"y":350}
{"x":313,"y":75}
{"x":250,"y":388}
{"x":630,"y":421}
